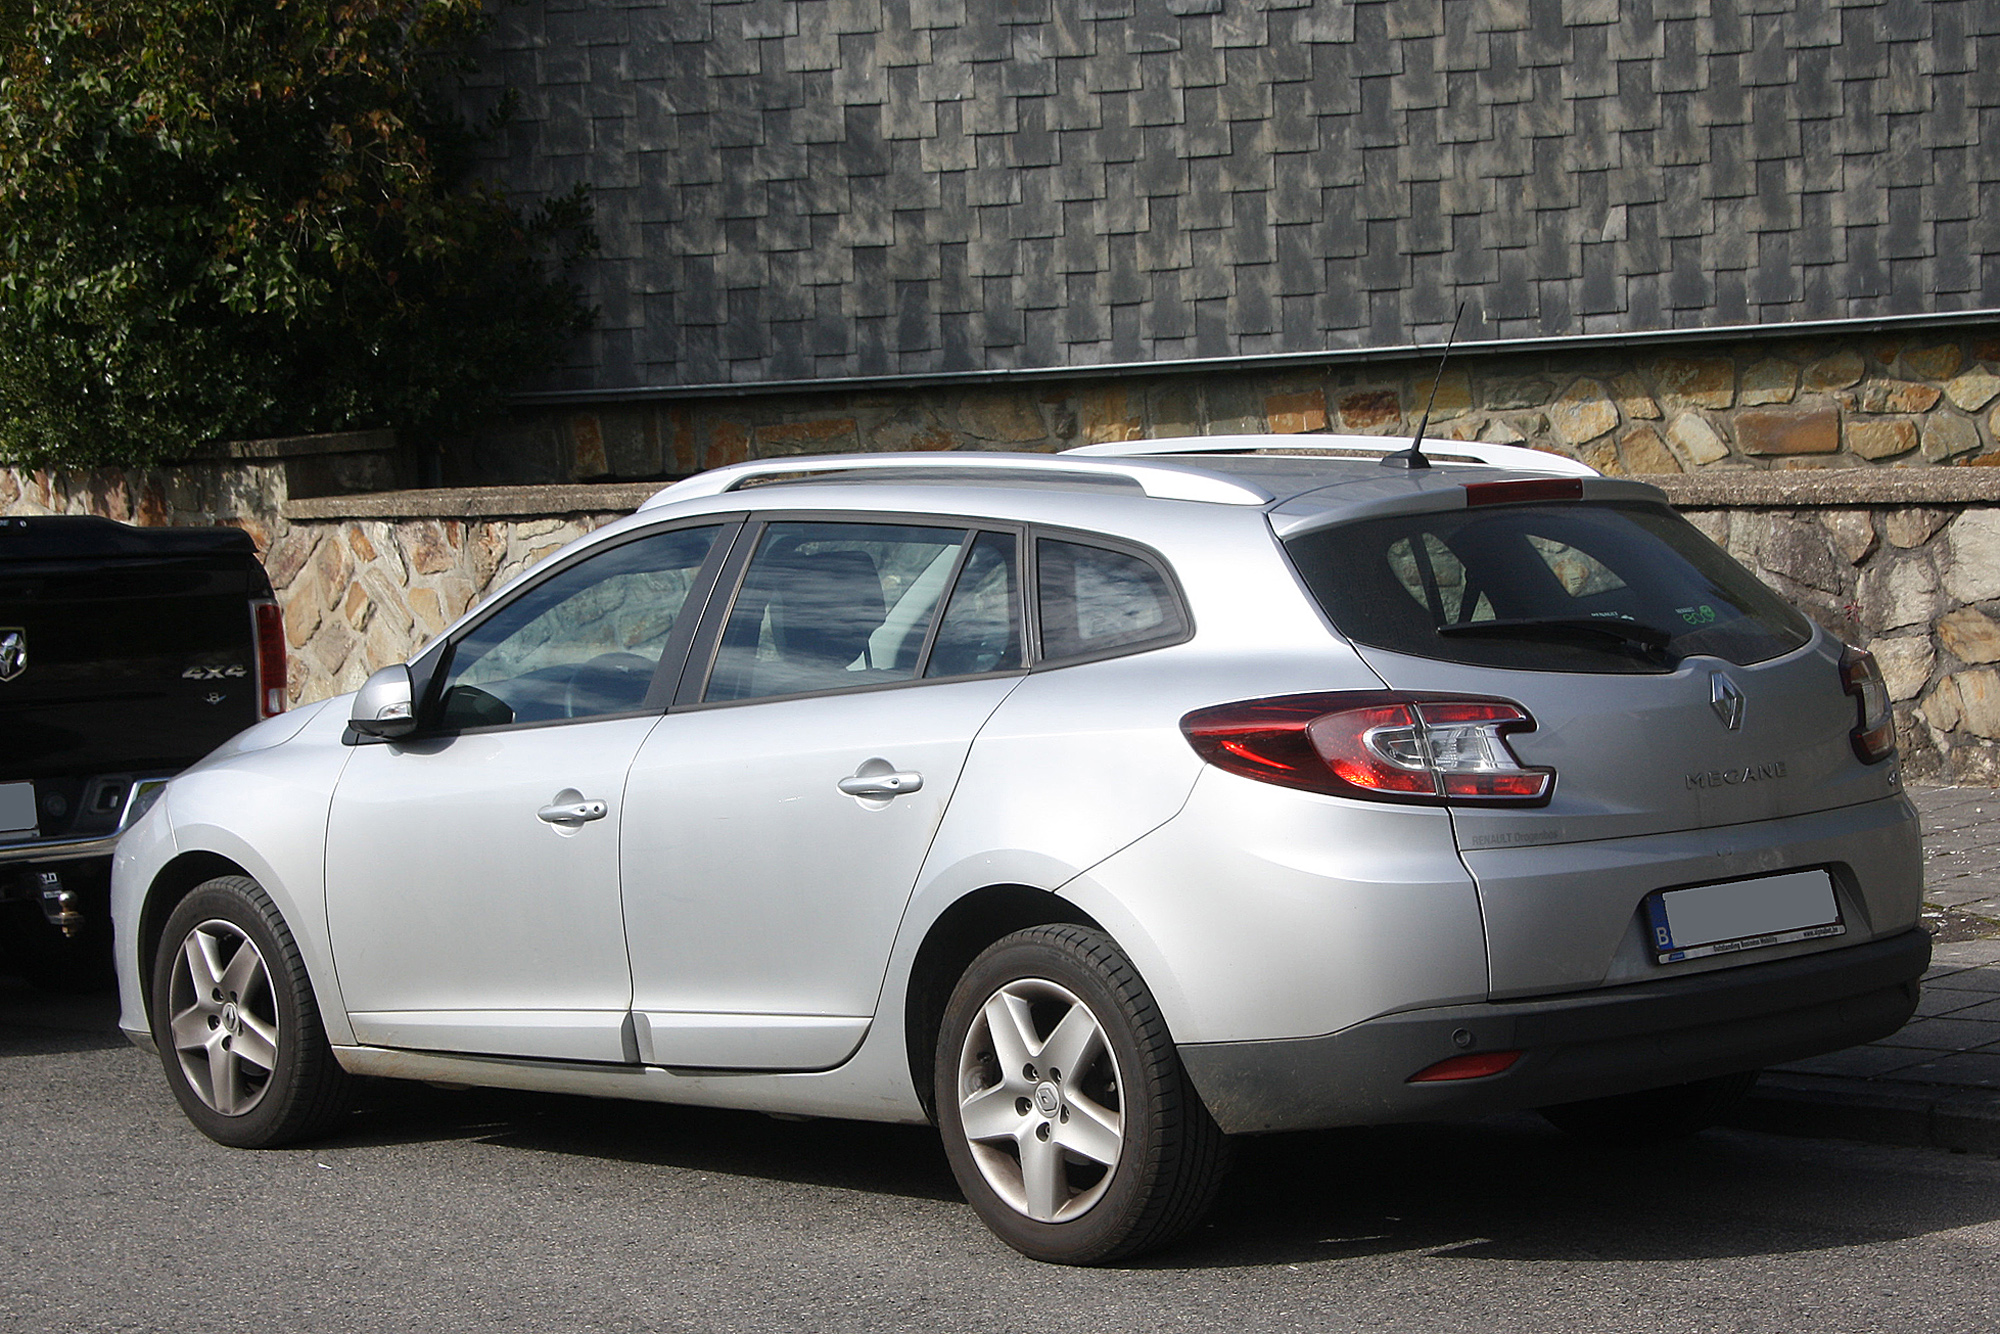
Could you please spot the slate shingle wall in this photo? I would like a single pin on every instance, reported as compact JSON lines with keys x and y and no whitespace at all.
{"x":792,"y":189}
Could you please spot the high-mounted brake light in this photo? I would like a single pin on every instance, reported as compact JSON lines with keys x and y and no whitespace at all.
{"x":270,"y":624}
{"x":1379,"y":745}
{"x":1874,"y":733}
{"x":1523,"y":493}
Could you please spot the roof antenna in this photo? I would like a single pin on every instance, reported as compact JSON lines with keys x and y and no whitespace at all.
{"x":1413,"y":457}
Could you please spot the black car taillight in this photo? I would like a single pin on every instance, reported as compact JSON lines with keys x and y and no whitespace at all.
{"x":1379,"y":745}
{"x":270,"y":623}
{"x":1874,"y":734}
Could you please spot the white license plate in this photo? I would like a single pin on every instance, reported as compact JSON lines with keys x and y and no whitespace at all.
{"x":1743,"y":915}
{"x":17,"y":808}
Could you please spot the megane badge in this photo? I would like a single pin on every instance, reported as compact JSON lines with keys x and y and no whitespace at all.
{"x":13,"y":652}
{"x":1726,"y":700}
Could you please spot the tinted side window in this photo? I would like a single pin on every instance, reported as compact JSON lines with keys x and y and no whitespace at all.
{"x":828,"y":606}
{"x":981,"y":629}
{"x":581,"y":644}
{"x":1094,"y":600}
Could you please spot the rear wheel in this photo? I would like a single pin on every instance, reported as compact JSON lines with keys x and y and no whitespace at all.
{"x":1652,"y":1115}
{"x":1066,"y":1116}
{"x":236,"y":1024}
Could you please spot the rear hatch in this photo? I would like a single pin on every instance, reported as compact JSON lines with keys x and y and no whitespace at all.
{"x":128,"y":651}
{"x":1669,"y":692}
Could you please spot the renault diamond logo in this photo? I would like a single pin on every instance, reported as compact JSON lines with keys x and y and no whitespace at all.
{"x":1726,"y":700}
{"x":13,"y":651}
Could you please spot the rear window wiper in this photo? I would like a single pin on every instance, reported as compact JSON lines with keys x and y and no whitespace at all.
{"x":1646,"y":641}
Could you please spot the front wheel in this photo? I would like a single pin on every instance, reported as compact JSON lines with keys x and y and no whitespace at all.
{"x":236,"y":1024}
{"x":1066,"y":1115}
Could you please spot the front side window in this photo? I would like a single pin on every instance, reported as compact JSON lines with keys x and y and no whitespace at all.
{"x":584,"y":643}
{"x":831,"y":606}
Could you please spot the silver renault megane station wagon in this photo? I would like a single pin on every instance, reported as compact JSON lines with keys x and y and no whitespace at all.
{"x":1098,"y":807}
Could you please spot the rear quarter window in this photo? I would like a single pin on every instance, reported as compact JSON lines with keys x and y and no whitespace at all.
{"x":1095,"y":600}
{"x":1426,"y":584}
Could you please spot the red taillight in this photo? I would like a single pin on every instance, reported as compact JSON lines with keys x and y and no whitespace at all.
{"x":1476,"y":1066}
{"x":1381,"y":745}
{"x":270,"y":623}
{"x":1874,"y":734}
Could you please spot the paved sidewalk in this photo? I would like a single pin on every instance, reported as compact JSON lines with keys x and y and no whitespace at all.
{"x":1937,"y":1082}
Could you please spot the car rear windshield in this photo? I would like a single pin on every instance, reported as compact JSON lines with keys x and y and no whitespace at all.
{"x":1619,"y":587}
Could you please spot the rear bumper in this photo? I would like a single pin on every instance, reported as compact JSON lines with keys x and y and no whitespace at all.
{"x":1580,"y":1045}
{"x":57,"y":849}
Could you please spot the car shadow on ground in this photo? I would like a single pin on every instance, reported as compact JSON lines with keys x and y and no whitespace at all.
{"x":1512,"y":1188}
{"x":34,"y":1022}
{"x":1506,"y":1188}
{"x":851,"y":1155}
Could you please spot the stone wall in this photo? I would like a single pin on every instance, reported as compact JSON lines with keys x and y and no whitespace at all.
{"x":1904,"y":561}
{"x":1905,"y":564}
{"x":1857,"y":401}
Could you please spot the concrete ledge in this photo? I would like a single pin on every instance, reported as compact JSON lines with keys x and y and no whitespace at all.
{"x":304,"y":446}
{"x":1963,"y":1120}
{"x":1808,"y":488}
{"x":1729,"y":489}
{"x":477,"y":502}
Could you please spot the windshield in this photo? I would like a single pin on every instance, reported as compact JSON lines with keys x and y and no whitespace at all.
{"x":1513,"y":586}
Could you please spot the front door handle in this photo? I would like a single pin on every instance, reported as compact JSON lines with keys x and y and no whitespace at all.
{"x":892,"y":784}
{"x":573,"y":812}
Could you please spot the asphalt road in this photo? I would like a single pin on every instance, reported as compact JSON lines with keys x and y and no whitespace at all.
{"x":485,"y":1211}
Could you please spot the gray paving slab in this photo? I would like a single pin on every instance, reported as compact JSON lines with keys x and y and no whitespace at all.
{"x":1937,"y":1082}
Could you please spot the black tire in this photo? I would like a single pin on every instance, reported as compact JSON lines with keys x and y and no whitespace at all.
{"x":1129,"y":1101}
{"x":1652,"y":1115}
{"x":252,"y":1067}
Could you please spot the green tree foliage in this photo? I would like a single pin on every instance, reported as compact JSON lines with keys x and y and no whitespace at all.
{"x":223,"y":219}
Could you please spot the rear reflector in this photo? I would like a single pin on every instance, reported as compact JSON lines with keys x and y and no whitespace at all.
{"x":1476,"y":1066}
{"x":270,"y":622}
{"x":1523,"y":493}
{"x":1380,"y":745}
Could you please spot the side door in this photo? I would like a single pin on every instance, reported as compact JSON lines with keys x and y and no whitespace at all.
{"x":472,"y":867}
{"x":781,"y":813}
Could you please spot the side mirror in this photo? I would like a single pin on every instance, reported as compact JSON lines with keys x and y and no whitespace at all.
{"x":384,"y":706}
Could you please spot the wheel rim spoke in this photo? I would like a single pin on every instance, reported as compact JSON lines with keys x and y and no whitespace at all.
{"x":1011,"y":1029}
{"x":1091,"y":1131}
{"x":990,"y":1114}
{"x":1042,"y":1178}
{"x":204,"y":968}
{"x":245,"y":970}
{"x":257,"y":1043}
{"x":190,"y":1028}
{"x":225,"y":1083}
{"x":1075,"y":1043}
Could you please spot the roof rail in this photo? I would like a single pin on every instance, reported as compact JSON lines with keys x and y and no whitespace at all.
{"x":1452,"y":451}
{"x":1162,"y":480}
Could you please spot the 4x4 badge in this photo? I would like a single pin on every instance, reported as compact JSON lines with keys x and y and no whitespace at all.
{"x":13,"y":651}
{"x":1726,"y":700}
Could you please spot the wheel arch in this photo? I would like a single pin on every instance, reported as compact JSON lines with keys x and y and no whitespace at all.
{"x":954,"y":940}
{"x":174,"y":882}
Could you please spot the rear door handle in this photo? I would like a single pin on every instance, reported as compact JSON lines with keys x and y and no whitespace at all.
{"x":573,"y":812}
{"x":893,"y":784}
